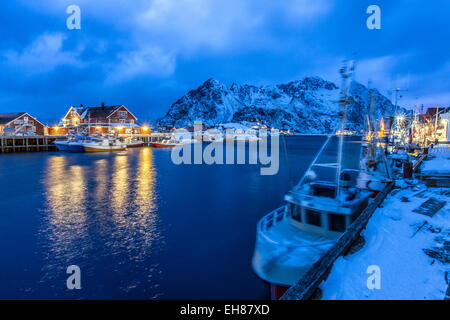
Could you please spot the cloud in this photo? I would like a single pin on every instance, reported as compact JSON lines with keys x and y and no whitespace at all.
{"x":381,"y":71}
{"x":146,"y":61}
{"x":43,"y":55}
{"x":307,"y":9}
{"x":221,"y":26}
{"x":198,"y":24}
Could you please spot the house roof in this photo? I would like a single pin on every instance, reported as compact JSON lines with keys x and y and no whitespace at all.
{"x":99,"y":112}
{"x":8,"y":117}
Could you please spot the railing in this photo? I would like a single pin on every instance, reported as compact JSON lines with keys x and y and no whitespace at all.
{"x":419,"y":161}
{"x":275,"y":217}
{"x":269,"y":220}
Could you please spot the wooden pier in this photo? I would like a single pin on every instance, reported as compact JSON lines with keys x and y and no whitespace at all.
{"x":10,"y":144}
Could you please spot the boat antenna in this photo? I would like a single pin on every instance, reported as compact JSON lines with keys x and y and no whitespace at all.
{"x":346,"y":72}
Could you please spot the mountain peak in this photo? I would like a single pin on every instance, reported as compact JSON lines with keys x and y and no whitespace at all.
{"x":307,"y":105}
{"x":211,"y":83}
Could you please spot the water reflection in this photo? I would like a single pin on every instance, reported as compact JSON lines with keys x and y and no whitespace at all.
{"x":66,"y":194}
{"x":101,"y":215}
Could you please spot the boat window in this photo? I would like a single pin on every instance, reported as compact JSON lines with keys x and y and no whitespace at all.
{"x":323,"y":190}
{"x":313,"y":217}
{"x":296,"y":212}
{"x":336,"y":222}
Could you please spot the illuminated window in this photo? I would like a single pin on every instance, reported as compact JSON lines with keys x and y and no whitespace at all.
{"x":123,"y":114}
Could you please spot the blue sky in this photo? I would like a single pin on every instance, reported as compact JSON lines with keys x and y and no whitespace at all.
{"x":147,"y":53}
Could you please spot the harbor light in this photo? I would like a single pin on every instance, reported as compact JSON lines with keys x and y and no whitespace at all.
{"x":144,"y":128}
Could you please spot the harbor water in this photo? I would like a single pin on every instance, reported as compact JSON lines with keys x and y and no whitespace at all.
{"x":137,"y":225}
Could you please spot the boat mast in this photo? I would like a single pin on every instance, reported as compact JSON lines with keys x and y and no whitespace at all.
{"x":346,"y":72}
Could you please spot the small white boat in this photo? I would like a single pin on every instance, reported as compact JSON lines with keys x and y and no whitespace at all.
{"x":77,"y":144}
{"x":168,"y":143}
{"x":62,"y":145}
{"x":133,"y":143}
{"x":104,"y":144}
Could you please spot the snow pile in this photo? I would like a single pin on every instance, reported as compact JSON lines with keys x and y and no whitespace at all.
{"x":439,"y":161}
{"x":305,"y":106}
{"x":397,"y":241}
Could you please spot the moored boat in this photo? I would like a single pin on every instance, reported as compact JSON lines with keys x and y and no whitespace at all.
{"x":167,"y":143}
{"x":103,"y":144}
{"x":62,"y":145}
{"x":134,"y":144}
{"x":318,"y":211}
{"x":76,"y":145}
{"x":292,"y":238}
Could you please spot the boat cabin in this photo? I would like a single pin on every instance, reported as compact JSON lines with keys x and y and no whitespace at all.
{"x":315,"y":208}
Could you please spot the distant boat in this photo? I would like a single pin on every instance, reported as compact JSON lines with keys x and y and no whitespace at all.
{"x":62,"y":145}
{"x":77,"y":144}
{"x":168,"y":143}
{"x":103,"y":144}
{"x":133,"y":143}
{"x":174,"y":141}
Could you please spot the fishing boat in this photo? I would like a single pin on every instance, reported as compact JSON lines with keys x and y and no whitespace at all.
{"x":76,"y":145}
{"x":62,"y":145}
{"x":374,"y":168}
{"x":167,"y":143}
{"x":133,"y":143}
{"x":103,"y":144}
{"x":319,"y":210}
{"x":175,"y":140}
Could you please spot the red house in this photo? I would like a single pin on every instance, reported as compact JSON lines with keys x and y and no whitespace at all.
{"x":21,"y":123}
{"x":103,"y":119}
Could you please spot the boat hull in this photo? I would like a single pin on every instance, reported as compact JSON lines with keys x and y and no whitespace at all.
{"x":284,"y":252}
{"x":162,"y":145}
{"x":62,"y":145}
{"x":135,"y":145}
{"x":89,"y":149}
{"x":76,"y":148}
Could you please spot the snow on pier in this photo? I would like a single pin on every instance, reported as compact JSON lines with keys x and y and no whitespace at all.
{"x":435,"y":172}
{"x":410,"y":248}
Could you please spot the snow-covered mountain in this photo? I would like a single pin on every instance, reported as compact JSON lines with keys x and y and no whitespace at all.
{"x":305,"y":106}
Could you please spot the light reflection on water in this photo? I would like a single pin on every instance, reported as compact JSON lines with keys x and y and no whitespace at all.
{"x":100,"y":212}
{"x":139,"y":226}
